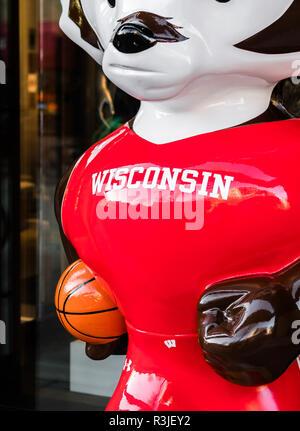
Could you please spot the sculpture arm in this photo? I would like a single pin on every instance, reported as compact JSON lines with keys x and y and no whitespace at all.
{"x":101,"y":351}
{"x":246,"y":326}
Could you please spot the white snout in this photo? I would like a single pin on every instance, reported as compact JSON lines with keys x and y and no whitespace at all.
{"x":159,"y":73}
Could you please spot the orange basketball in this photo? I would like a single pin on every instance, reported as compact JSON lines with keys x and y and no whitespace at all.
{"x":84,"y":307}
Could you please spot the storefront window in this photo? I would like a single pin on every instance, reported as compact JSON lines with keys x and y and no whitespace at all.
{"x":64,"y":104}
{"x":72,"y":111}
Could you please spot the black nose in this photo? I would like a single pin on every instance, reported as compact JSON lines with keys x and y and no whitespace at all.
{"x":133,"y":38}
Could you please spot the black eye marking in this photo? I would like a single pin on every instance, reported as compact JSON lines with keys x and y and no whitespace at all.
{"x":112,"y":3}
{"x":223,"y":1}
{"x":280,"y":37}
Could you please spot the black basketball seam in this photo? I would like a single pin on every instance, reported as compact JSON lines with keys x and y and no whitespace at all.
{"x":93,"y":336}
{"x":88,"y":312}
{"x":79,"y":332}
{"x":60,"y":287}
{"x":59,"y":316}
{"x":75,"y":290}
{"x":62,"y":282}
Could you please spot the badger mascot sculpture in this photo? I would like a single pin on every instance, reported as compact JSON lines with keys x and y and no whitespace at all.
{"x":204,"y":262}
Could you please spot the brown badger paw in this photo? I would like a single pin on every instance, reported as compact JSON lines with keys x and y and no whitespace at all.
{"x":99,"y":352}
{"x":245,"y":326}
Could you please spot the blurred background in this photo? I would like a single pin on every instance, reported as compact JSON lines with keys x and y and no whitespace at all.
{"x":54,"y":103}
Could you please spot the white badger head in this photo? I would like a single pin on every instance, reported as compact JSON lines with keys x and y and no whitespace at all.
{"x":160,"y":50}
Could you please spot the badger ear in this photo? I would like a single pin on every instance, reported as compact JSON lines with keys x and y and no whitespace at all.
{"x":75,"y":25}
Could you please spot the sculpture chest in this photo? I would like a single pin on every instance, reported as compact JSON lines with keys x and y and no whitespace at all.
{"x":162,"y":222}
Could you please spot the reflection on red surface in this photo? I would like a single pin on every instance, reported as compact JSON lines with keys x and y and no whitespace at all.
{"x":157,"y":268}
{"x":163,"y":379}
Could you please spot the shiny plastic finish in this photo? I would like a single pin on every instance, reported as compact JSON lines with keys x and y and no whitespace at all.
{"x":244,"y":186}
{"x":246,"y":326}
{"x":160,"y":377}
{"x":140,"y":31}
{"x":84,"y":307}
{"x":237,"y":189}
{"x":220,"y":73}
{"x":281,"y":37}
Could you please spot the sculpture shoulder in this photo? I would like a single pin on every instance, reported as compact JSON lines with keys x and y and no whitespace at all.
{"x":285,"y":135}
{"x":273,"y":147}
{"x":103,"y":147}
{"x":85,"y":159}
{"x":82,"y":162}
{"x":284,"y":144}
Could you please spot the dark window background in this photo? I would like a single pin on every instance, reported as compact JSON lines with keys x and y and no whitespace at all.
{"x":53,"y":106}
{"x":69,"y":105}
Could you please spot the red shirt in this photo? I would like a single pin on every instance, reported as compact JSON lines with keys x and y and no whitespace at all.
{"x":160,"y":223}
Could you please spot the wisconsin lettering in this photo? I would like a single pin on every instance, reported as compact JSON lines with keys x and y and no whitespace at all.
{"x":187,"y":181}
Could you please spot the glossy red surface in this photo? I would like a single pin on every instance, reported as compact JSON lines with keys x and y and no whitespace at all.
{"x":157,"y":269}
